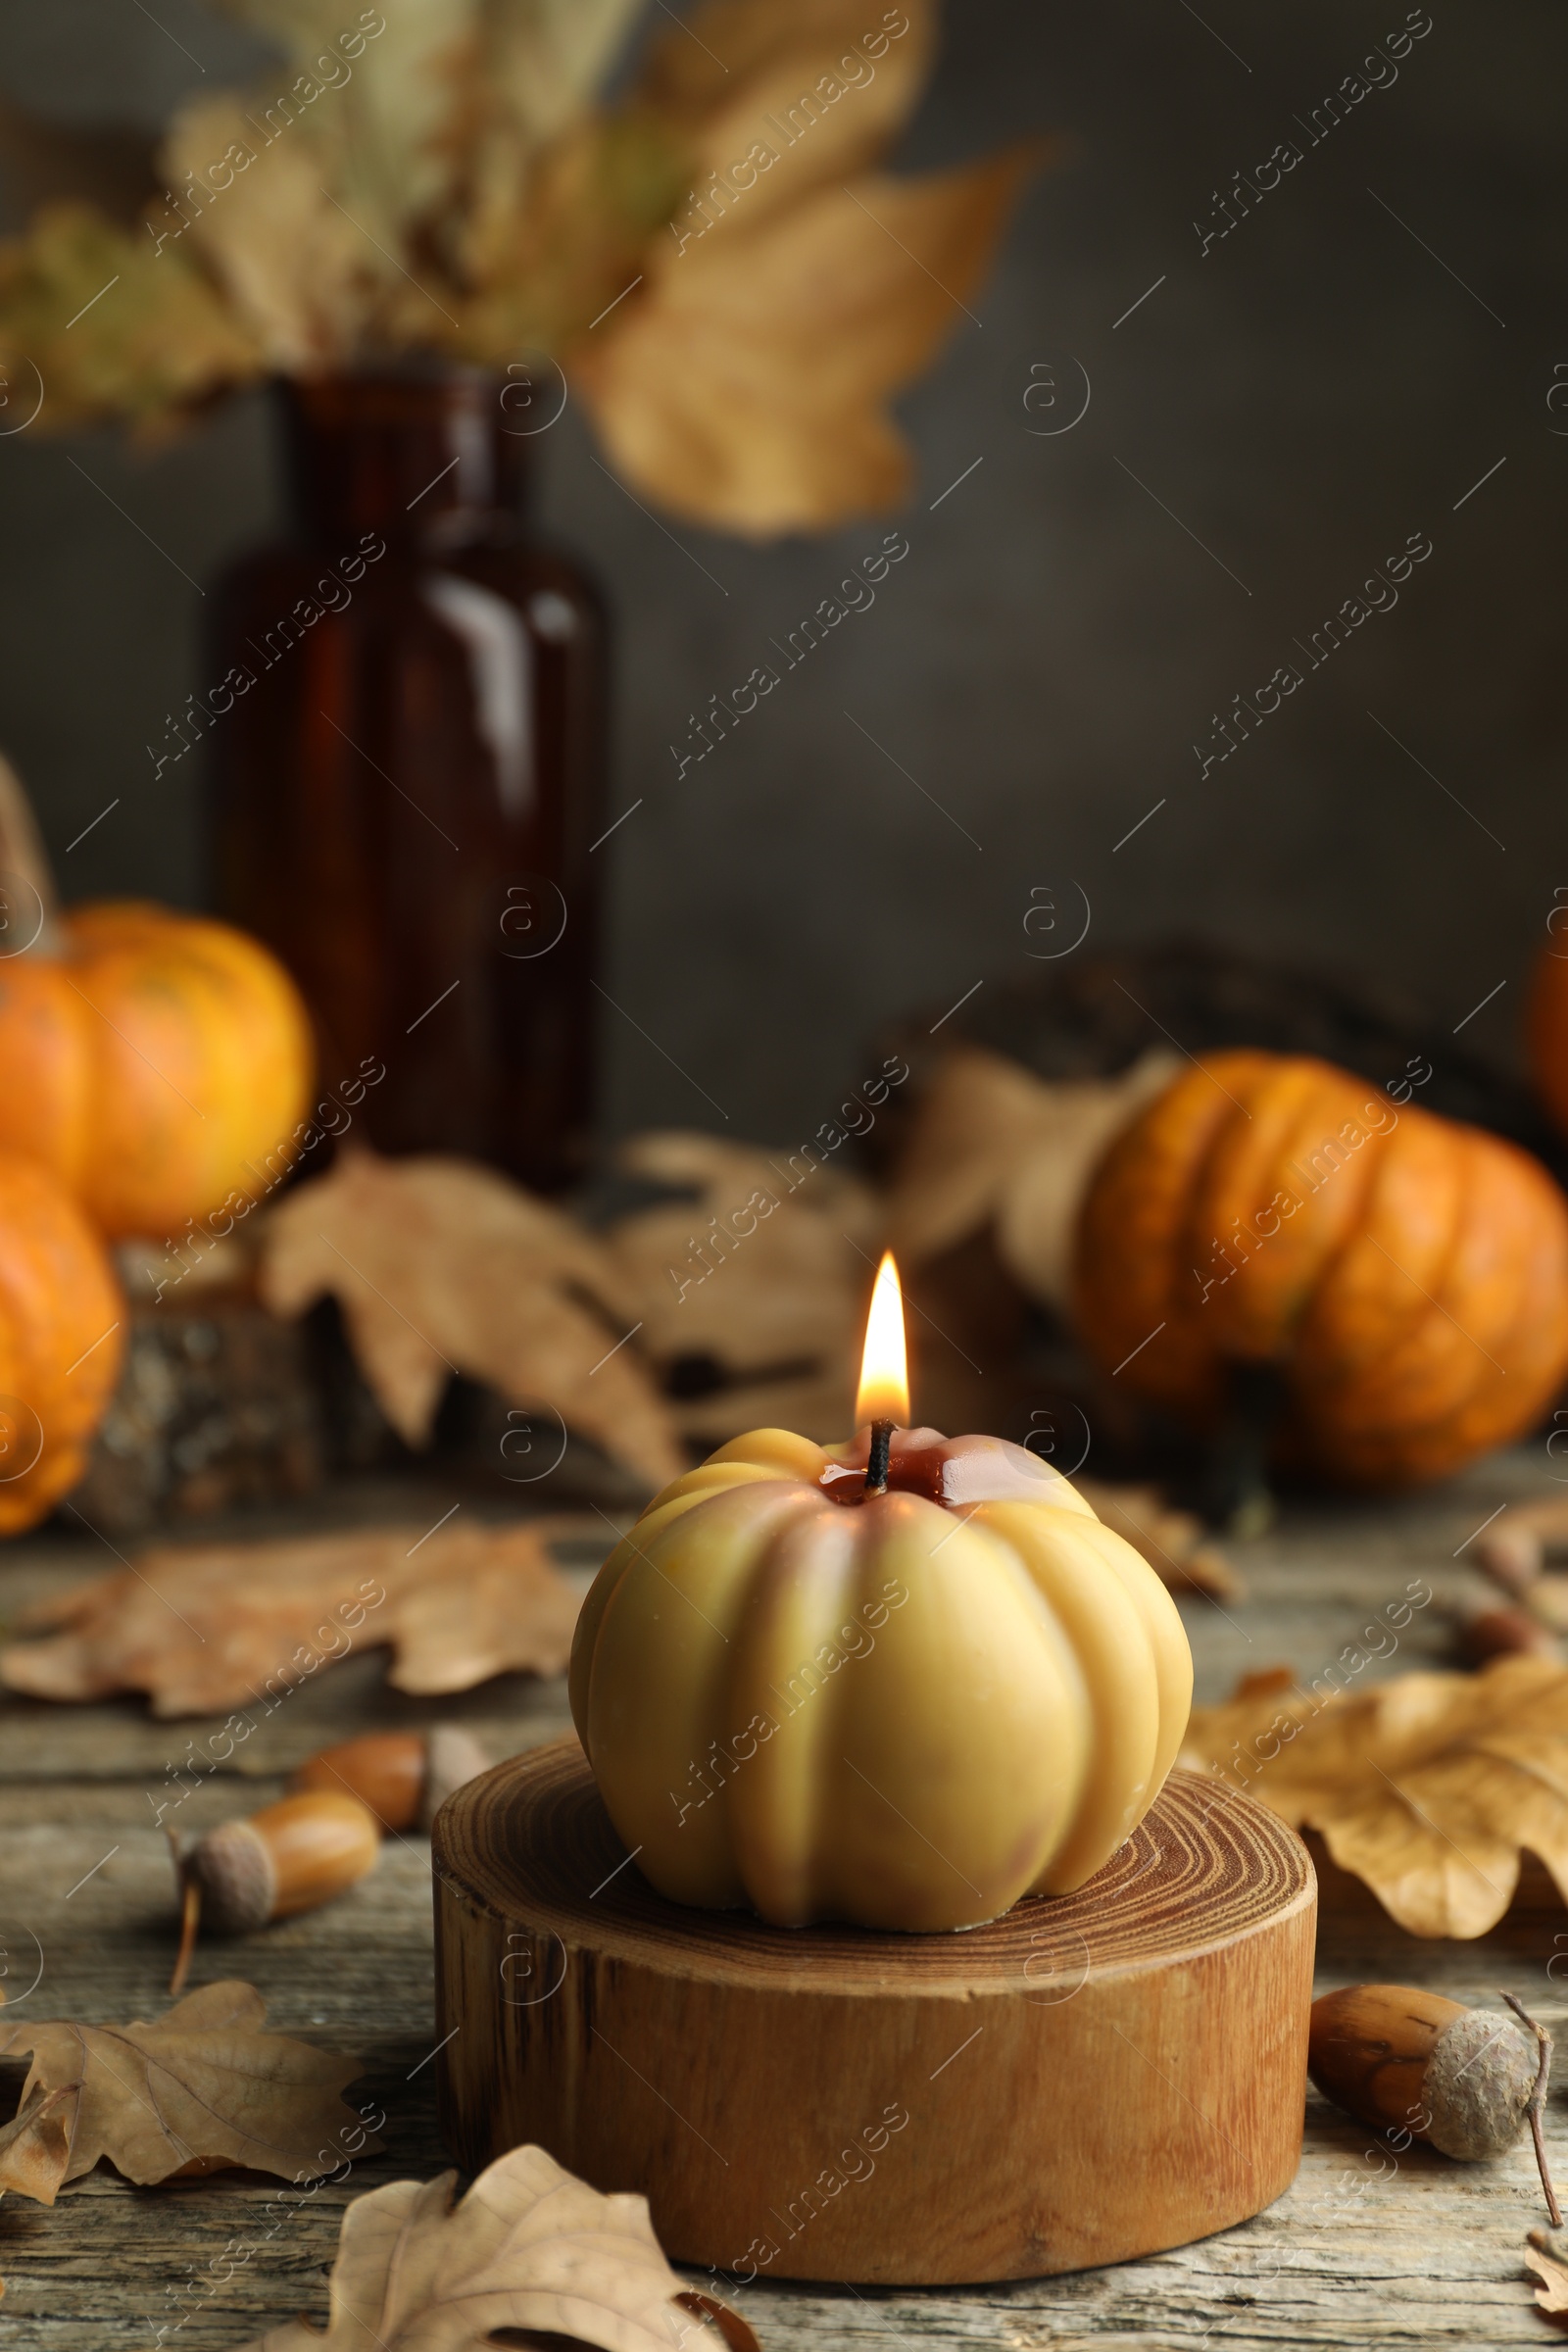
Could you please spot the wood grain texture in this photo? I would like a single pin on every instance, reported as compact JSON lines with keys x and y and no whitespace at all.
{"x":1079,"y":2081}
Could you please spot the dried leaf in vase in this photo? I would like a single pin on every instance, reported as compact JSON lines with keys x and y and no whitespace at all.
{"x":529,"y":2248}
{"x":1425,"y":1787}
{"x":1173,"y":1542}
{"x":522,"y":92}
{"x":375,"y":116}
{"x":544,"y":246}
{"x":205,"y":1627}
{"x":746,"y":386}
{"x":992,"y":1144}
{"x":202,"y":2087}
{"x":298,"y":273}
{"x":157,"y":335}
{"x":793,"y":89}
{"x":441,"y":1266}
{"x":765,"y":1270}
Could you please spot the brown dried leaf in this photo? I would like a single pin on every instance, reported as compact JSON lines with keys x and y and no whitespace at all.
{"x":35,"y":2146}
{"x":751,"y":79}
{"x":548,"y":242}
{"x":377,"y":126}
{"x":1549,"y":1600}
{"x":765,"y":1263}
{"x":298,"y":273}
{"x":1426,"y":1787}
{"x":529,"y":2247}
{"x":202,"y":2087}
{"x":157,"y":335}
{"x":441,"y":1266}
{"x":1173,"y":1542}
{"x":746,"y":384}
{"x":1546,"y":2254}
{"x":767,"y":1270}
{"x":202,"y":1628}
{"x":994,"y":1145}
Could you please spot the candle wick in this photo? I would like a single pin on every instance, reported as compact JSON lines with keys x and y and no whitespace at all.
{"x":876,"y":1468}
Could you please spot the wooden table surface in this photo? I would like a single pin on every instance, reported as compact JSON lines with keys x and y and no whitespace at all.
{"x":1363,"y":2250}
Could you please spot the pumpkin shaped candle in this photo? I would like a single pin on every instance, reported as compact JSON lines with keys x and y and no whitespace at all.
{"x":906,"y":1708}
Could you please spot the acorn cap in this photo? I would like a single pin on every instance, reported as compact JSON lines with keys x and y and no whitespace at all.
{"x":237,"y":1877}
{"x":454,"y":1758}
{"x":1478,"y":2085}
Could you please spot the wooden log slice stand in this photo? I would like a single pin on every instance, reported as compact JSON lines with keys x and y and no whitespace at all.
{"x":1086,"y":2079}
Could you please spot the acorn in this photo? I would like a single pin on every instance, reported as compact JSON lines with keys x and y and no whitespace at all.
{"x":1506,"y":1633}
{"x":1406,"y":2061}
{"x":403,"y":1777}
{"x":287,"y":1858}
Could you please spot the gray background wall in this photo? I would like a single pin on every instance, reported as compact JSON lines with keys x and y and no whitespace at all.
{"x":1319,"y":386}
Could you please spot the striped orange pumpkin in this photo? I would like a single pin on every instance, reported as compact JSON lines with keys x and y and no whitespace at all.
{"x":153,"y":1061}
{"x":1406,"y":1275}
{"x":62,"y":1335}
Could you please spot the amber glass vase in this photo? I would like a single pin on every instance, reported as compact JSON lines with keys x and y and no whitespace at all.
{"x":405,"y":746}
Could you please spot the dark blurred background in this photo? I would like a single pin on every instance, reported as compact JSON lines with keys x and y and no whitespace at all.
{"x":1272,"y":422}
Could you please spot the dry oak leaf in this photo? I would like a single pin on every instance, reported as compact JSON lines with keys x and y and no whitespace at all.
{"x":205,"y":1627}
{"x":1425,"y":1787}
{"x":992,"y":1144}
{"x":528,"y":2248}
{"x":1546,"y":2254}
{"x":440,"y":1266}
{"x":202,"y":2088}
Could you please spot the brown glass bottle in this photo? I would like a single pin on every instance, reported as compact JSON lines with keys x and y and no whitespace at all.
{"x":405,"y":753}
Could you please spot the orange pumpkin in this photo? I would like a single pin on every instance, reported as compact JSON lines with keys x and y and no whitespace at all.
{"x":1407,"y":1276}
{"x":62,"y":1335}
{"x":1547,"y":1031}
{"x":154,"y":1062}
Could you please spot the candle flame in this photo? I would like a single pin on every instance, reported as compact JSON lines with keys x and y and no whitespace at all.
{"x":884,"y":1391}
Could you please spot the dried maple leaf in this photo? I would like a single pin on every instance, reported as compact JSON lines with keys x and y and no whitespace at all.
{"x":201,"y":2087}
{"x":1426,"y":1787}
{"x":202,"y":1628}
{"x":529,"y":2247}
{"x":792,"y":292}
{"x":992,"y":1144}
{"x":441,"y":1266}
{"x":746,"y":386}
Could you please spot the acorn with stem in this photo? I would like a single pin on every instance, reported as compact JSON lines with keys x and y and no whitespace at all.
{"x":1416,"y":2066}
{"x":319,"y":1839}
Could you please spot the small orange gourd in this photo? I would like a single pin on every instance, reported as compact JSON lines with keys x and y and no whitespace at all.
{"x":155,"y":1063}
{"x":1547,"y":1027}
{"x":1406,"y":1276}
{"x":62,"y":1336}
